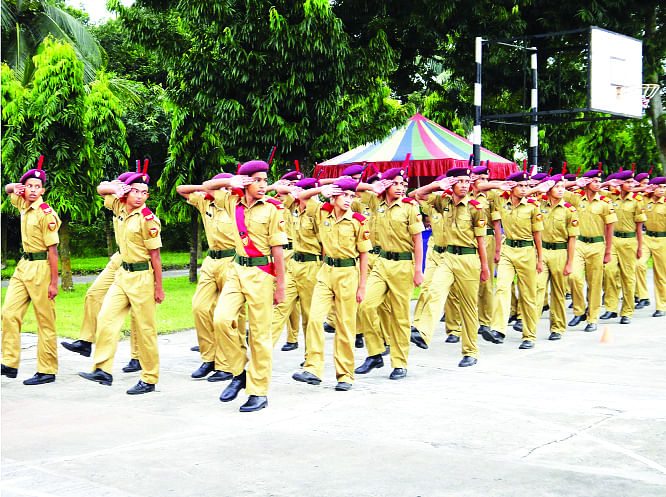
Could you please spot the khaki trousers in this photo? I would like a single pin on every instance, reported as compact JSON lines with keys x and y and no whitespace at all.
{"x":641,"y":271}
{"x":588,"y":267}
{"x":621,"y":272}
{"x":657,"y":246}
{"x":553,"y":273}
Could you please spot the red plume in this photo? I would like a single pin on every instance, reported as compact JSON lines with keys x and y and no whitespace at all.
{"x":599,"y":165}
{"x":238,"y":167}
{"x":40,"y":162}
{"x":620,"y":169}
{"x":578,"y":172}
{"x":650,"y":170}
{"x":633,"y":167}
{"x":319,"y":173}
{"x":525,"y":165}
{"x":297,"y":169}
{"x":407,"y":161}
{"x":550,"y":171}
{"x":564,"y":168}
{"x":270,"y":158}
{"x":145,"y":166}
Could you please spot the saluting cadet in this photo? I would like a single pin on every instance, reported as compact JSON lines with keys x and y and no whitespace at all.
{"x":655,"y":239}
{"x":560,"y":229}
{"x":523,"y":225}
{"x":627,"y":248}
{"x":256,"y":277}
{"x":137,"y":286}
{"x":397,"y":270}
{"x":642,"y":294}
{"x":35,"y":279}
{"x":219,"y":228}
{"x":341,"y":280}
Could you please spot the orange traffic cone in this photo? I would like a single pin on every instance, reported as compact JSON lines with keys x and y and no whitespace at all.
{"x":606,"y":336}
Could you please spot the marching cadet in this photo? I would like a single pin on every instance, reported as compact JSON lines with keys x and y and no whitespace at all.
{"x":137,"y":286}
{"x":219,"y":228}
{"x":94,"y":298}
{"x":596,"y":216}
{"x":522,"y":223}
{"x":257,"y":277}
{"x":396,"y":272}
{"x":340,"y":283}
{"x":655,"y":239}
{"x":627,"y":248}
{"x":642,"y":294}
{"x":35,"y":279}
{"x":560,"y":229}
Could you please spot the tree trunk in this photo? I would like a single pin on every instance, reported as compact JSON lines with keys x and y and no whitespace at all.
{"x":110,"y":248}
{"x":656,"y":109}
{"x":3,"y":240}
{"x":199,"y":238}
{"x":65,"y":254}
{"x":194,"y":235}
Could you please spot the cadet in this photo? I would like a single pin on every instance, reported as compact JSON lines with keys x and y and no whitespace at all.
{"x":627,"y":248}
{"x":137,"y":286}
{"x":396,"y":272}
{"x":655,"y":239}
{"x":219,"y":228}
{"x":596,"y":216}
{"x":35,"y":279}
{"x":642,"y":294}
{"x":339,"y":282}
{"x":560,"y":229}
{"x":522,"y":225}
{"x":256,"y":277}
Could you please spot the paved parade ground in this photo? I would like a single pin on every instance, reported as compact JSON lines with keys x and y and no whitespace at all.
{"x":576,"y":417}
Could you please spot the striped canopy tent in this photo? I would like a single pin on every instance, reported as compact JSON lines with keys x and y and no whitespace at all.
{"x":433,"y":150}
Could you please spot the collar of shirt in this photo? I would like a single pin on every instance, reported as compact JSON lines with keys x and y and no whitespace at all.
{"x":559,"y":204}
{"x":36,"y":203}
{"x":662,"y":200}
{"x":138,"y":210}
{"x":346,"y":215}
{"x":256,"y":202}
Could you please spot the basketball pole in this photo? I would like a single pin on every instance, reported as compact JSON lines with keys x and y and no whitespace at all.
{"x":476,"y":140}
{"x":533,"y":154}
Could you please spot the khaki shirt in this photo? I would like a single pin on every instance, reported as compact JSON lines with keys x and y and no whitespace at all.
{"x":559,"y":222}
{"x":39,"y":224}
{"x":264,"y":220}
{"x":287,"y":216}
{"x":218,"y":224}
{"x":342,"y":238}
{"x":397,"y":223}
{"x":593,"y":216}
{"x":629,"y":211}
{"x":366,"y":205}
{"x":137,"y":232}
{"x":108,"y":203}
{"x":522,"y":221}
{"x":463,"y":221}
{"x":437,"y":220}
{"x":655,"y":211}
{"x":489,"y":201}
{"x":306,"y":236}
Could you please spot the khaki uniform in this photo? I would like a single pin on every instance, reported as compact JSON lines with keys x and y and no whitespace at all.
{"x":655,"y":239}
{"x":266,"y":229}
{"x":560,"y":223}
{"x":621,"y":270}
{"x":29,"y":283}
{"x":219,"y":228}
{"x":593,"y":217}
{"x":337,"y":283}
{"x":489,"y":201}
{"x":133,"y":290}
{"x":519,"y":259}
{"x":391,"y":281}
{"x":642,"y":292}
{"x":294,"y":321}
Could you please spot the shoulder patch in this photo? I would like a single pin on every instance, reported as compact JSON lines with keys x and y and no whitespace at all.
{"x":278,"y":205}
{"x":147,"y":214}
{"x":408,"y":200}
{"x":476,"y":204}
{"x":208,"y":196}
{"x":359,"y":217}
{"x":533,"y":201}
{"x":327,"y":206}
{"x":46,"y":208}
{"x":544,"y":196}
{"x":580,"y":192}
{"x":606,"y":199}
{"x":569,"y":206}
{"x":505,"y":194}
{"x":638,"y":196}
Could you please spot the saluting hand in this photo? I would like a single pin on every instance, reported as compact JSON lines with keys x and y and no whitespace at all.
{"x":19,"y":190}
{"x":380,"y":186}
{"x":583,"y":182}
{"x":544,"y":186}
{"x":507,"y":185}
{"x":240,"y":181}
{"x":329,"y":191}
{"x":121,"y":189}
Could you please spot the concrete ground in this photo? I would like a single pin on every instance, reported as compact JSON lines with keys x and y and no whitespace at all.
{"x":576,"y":417}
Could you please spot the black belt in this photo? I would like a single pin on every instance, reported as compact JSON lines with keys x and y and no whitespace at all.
{"x":591,"y":239}
{"x":454,"y":249}
{"x":396,"y":256}
{"x":252,"y":261}
{"x":376,"y":250}
{"x":301,"y":257}
{"x":657,"y":234}
{"x":136,"y":266}
{"x":34,"y":256}
{"x":339,"y":262}
{"x":555,"y":246}
{"x":221,"y":254}
{"x":286,"y":246}
{"x":519,"y":243}
{"x":439,"y":249}
{"x":490,"y":231}
{"x":624,"y":234}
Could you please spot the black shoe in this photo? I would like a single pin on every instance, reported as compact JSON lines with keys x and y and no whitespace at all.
{"x":571,"y":305}
{"x":301,"y":365}
{"x":513,"y":317}
{"x":625,"y":320}
{"x":40,"y":378}
{"x":203,"y":370}
{"x":398,"y":374}
{"x":567,"y":296}
{"x":417,"y":339}
{"x":527,"y":344}
{"x":132,"y":366}
{"x":371,"y":362}
{"x":643,"y":303}
{"x":79,"y":346}
{"x":220,"y":376}
{"x":387,"y":350}
{"x":591,"y":327}
{"x":99,"y":376}
{"x":482,"y":328}
{"x":608,"y":315}
{"x":577,"y":319}
{"x":518,"y":325}
{"x":306,"y":377}
{"x":289,"y":346}
{"x":328,"y":328}
{"x":343,"y":386}
{"x":195,"y":348}
{"x":545,"y":308}
{"x":9,"y":372}
{"x":467,"y":361}
{"x":236,"y":385}
{"x":358,"y":343}
{"x":658,"y":314}
{"x":555,"y":336}
{"x":492,"y":336}
{"x":443,"y":318}
{"x":254,"y":403}
{"x":141,"y":387}
{"x":452,"y":339}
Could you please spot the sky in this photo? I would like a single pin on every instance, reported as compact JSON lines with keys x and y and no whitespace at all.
{"x":96,"y":8}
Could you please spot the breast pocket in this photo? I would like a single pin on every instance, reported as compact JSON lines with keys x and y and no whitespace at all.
{"x":258,"y":223}
{"x":346,"y":233}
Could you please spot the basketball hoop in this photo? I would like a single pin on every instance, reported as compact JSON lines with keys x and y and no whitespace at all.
{"x":647,"y":91}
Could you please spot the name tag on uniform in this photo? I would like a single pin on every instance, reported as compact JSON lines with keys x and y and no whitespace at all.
{"x":366,"y":213}
{"x":446,"y":209}
{"x":380,"y":210}
{"x":326,"y":223}
{"x":544,"y":211}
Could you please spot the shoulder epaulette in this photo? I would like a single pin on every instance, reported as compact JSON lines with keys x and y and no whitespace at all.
{"x":580,"y":192}
{"x":276,"y":203}
{"x":606,"y":199}
{"x":408,"y":200}
{"x":147,"y":214}
{"x":327,"y":206}
{"x":476,"y":204}
{"x":208,"y":196}
{"x":533,"y":201}
{"x":46,"y":208}
{"x":544,"y":196}
{"x":569,"y":206}
{"x":359,"y":217}
{"x":505,"y":194}
{"x":637,"y":196}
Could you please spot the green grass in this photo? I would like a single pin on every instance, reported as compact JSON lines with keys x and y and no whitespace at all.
{"x":174,"y":314}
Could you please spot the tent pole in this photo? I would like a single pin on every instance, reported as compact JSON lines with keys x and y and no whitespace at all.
{"x":476,"y":143}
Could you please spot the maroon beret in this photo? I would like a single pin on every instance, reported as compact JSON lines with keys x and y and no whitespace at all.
{"x":440,"y":177}
{"x":346,"y":184}
{"x":352,"y":170}
{"x":373,"y":178}
{"x":124,"y":176}
{"x":392,"y":173}
{"x":293,"y":176}
{"x":659,"y":180}
{"x":539,"y":176}
{"x":518,"y":176}
{"x":458,"y":171}
{"x":641,"y":176}
{"x":137,"y":178}
{"x":593,"y":173}
{"x":570,"y":177}
{"x":624,"y":175}
{"x":480,"y":170}
{"x":611,"y":176}
{"x":306,"y":183}
{"x":253,"y":166}
{"x":554,"y":177}
{"x":223,"y":176}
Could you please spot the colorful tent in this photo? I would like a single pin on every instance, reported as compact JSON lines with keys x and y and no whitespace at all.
{"x":433,"y":150}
